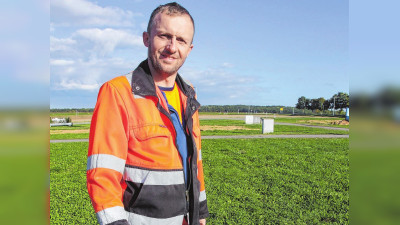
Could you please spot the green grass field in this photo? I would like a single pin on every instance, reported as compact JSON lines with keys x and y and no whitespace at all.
{"x":310,"y":120}
{"x":278,"y":129}
{"x":74,"y":127}
{"x":68,"y":114}
{"x":253,"y":181}
{"x":242,"y":129}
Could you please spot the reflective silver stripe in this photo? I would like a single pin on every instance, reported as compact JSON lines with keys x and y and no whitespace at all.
{"x":150,"y":177}
{"x":112,"y":214}
{"x":136,"y":219}
{"x":202,"y":196}
{"x":105,"y":161}
{"x":200,"y":158}
{"x":129,"y":78}
{"x":138,"y":96}
{"x":116,"y":213}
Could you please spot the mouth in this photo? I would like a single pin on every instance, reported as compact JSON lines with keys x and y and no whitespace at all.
{"x":168,"y":58}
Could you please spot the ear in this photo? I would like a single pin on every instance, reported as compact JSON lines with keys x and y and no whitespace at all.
{"x":190,"y":48}
{"x":146,"y":37}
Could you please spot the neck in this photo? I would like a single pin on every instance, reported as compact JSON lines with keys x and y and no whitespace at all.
{"x":160,"y":79}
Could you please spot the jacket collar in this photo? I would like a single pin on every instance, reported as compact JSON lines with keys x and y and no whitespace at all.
{"x":143,"y":83}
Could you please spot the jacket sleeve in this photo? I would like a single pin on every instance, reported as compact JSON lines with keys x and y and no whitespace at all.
{"x":108,"y":146}
{"x":203,"y":209}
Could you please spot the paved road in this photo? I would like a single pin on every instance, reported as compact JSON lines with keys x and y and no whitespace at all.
{"x":240,"y":137}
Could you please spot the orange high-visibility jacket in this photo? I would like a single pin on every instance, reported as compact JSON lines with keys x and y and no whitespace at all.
{"x":134,"y":170}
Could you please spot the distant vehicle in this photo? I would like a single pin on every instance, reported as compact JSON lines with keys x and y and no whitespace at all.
{"x":58,"y":120}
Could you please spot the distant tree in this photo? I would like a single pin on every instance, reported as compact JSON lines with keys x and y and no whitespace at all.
{"x":321,"y":102}
{"x":317,"y":104}
{"x":301,"y":103}
{"x":313,"y":104}
{"x":327,"y":104}
{"x":308,"y":104}
{"x":341,"y":100}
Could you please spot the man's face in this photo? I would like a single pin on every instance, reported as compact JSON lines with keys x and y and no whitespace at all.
{"x":169,"y":42}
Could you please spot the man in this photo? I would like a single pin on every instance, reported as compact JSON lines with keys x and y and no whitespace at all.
{"x":144,"y":160}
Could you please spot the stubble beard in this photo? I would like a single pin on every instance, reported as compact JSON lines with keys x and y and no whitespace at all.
{"x":158,"y":67}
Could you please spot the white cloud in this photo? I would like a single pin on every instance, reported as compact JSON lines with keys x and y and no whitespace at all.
{"x":52,"y":29}
{"x":106,"y":40}
{"x":87,"y":74}
{"x":82,"y":12}
{"x":61,"y":44}
{"x":61,"y":62}
{"x":76,"y":85}
{"x":227,"y":65}
{"x":218,"y":82}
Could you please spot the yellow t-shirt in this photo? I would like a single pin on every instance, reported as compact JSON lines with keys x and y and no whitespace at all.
{"x":173,"y":98}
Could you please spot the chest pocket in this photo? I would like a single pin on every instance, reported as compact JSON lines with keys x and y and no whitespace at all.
{"x":152,"y":146}
{"x":150,"y":131}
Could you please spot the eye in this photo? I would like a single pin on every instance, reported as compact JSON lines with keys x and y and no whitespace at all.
{"x":181,"y":40}
{"x":163,"y":36}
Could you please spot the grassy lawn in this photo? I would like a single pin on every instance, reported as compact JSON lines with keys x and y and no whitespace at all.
{"x":24,"y":186}
{"x":74,"y":127}
{"x":69,"y":201}
{"x":278,"y":129}
{"x":82,"y":134}
{"x":318,"y":121}
{"x":297,"y":120}
{"x":69,"y":136}
{"x":233,"y":127}
{"x":257,"y":181}
{"x":296,"y":181}
{"x":68,"y":114}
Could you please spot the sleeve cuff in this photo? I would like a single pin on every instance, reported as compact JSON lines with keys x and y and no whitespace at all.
{"x":114,"y":215}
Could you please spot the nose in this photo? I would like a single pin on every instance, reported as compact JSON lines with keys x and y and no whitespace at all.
{"x":171,"y":47}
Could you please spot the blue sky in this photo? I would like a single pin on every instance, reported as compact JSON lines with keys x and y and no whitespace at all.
{"x":252,"y":53}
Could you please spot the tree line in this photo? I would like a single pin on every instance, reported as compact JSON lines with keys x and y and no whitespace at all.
{"x":65,"y":110}
{"x":304,"y":105}
{"x":338,"y":101}
{"x":215,"y":108}
{"x":247,"y":109}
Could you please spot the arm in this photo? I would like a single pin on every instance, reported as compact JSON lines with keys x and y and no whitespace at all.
{"x":203,"y":209}
{"x":108,"y":146}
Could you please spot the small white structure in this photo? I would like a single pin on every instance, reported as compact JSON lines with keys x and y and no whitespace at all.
{"x":267,"y":125}
{"x":55,"y":122}
{"x":58,"y":120}
{"x":249,"y":119}
{"x":61,"y":124}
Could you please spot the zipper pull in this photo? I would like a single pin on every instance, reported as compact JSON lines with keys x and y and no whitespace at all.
{"x":187,"y":196}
